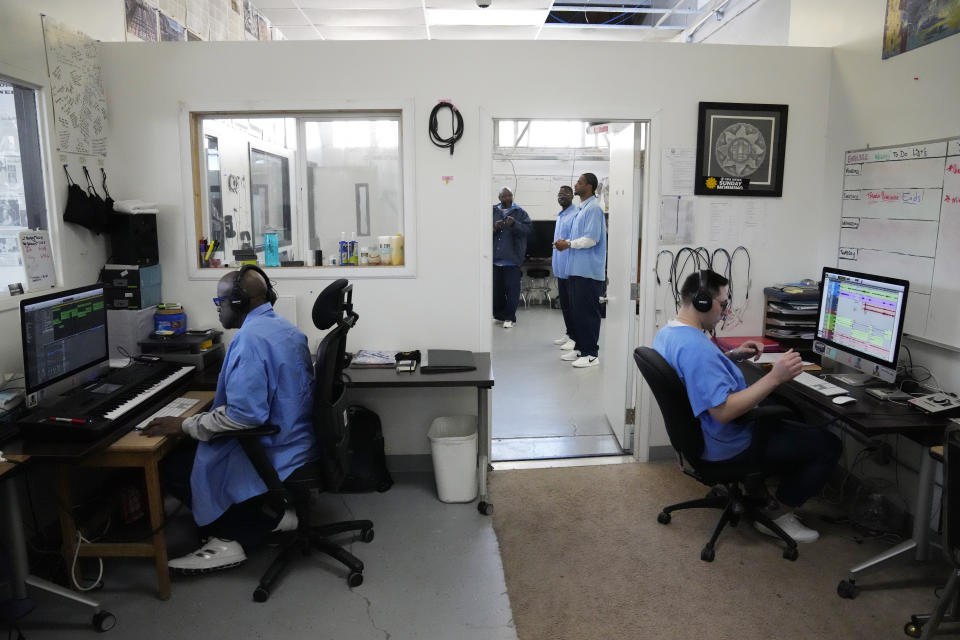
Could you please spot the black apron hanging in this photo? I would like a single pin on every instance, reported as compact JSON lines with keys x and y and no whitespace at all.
{"x":108,"y":201}
{"x":77,"y":210}
{"x":98,"y":208}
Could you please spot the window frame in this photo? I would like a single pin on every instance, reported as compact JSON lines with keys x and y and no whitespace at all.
{"x":49,"y":180}
{"x":191,"y":142}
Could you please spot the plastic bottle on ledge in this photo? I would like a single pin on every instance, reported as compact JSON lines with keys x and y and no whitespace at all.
{"x":344,"y":252}
{"x":354,"y":256}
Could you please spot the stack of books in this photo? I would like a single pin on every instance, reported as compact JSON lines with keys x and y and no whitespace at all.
{"x":368,"y":359}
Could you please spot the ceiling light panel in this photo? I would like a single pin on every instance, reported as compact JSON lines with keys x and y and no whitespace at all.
{"x":357,"y":4}
{"x":483,"y":33}
{"x":495,"y":4}
{"x":299,"y":33}
{"x":485,"y":17}
{"x":366,"y":17}
{"x":375,"y":33}
{"x":286,"y":17}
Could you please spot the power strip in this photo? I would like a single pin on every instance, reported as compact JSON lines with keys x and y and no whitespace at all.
{"x":936,"y":402}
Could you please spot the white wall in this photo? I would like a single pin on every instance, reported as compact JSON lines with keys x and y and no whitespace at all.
{"x":757,"y":22}
{"x":78,"y":253}
{"x":447,"y":303}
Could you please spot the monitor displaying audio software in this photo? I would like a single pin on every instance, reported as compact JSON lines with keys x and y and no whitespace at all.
{"x":63,"y":334}
{"x":860,"y":322}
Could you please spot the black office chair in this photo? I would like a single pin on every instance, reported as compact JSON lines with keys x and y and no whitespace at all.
{"x":333,"y":308}
{"x":726,"y":480}
{"x":925,"y":625}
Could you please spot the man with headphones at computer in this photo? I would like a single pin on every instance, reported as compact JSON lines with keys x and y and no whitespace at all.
{"x":803,"y":457}
{"x":266,"y":378}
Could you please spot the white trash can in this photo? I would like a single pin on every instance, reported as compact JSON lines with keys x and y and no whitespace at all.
{"x":453,"y":443}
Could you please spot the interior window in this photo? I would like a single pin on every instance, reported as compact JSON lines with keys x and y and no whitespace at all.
{"x":313,"y":179}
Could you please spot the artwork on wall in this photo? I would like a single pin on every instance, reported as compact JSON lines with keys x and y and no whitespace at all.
{"x":914,"y":23}
{"x":740,"y":149}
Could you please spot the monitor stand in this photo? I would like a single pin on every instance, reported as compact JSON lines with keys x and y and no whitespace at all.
{"x":853,"y":379}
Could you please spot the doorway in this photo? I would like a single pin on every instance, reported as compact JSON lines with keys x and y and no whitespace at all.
{"x":544,"y":408}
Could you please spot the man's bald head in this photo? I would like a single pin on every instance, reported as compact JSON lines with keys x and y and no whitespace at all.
{"x":253,"y":289}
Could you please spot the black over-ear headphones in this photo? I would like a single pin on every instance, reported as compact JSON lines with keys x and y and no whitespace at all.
{"x":240,"y":299}
{"x":703,"y":301}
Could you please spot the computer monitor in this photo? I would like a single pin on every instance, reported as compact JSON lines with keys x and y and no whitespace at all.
{"x":64,"y":334}
{"x":540,"y":240}
{"x":860,"y":323}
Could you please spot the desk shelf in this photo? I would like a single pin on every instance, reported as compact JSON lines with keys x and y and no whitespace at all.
{"x":787,"y":319}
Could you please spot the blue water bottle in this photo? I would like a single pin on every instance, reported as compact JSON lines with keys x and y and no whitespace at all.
{"x":271,"y":249}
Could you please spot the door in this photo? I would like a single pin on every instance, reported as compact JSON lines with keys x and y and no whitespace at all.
{"x":622,"y":236}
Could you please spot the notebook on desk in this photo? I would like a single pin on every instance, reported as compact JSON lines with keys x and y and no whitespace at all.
{"x":448,"y":361}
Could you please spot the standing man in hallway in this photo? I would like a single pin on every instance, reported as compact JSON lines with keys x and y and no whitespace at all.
{"x":586,"y":270}
{"x":560,"y":267}
{"x":511,"y":226}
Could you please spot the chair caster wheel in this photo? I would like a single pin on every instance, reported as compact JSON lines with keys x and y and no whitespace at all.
{"x":791,"y":554}
{"x":355,"y":579}
{"x":913,"y":629}
{"x":663,"y":517}
{"x":103,"y":621}
{"x":847,"y":589}
{"x":260,"y":595}
{"x":707,"y":554}
{"x":366,"y":535}
{"x":485,"y":508}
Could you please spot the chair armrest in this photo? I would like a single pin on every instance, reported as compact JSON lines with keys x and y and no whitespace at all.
{"x":249,"y":439}
{"x":768,"y":412}
{"x":255,"y":432}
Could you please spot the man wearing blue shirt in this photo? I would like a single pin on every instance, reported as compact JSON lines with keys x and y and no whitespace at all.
{"x":587,"y":272}
{"x":511,"y":226}
{"x":266,"y":378}
{"x":802,"y":456}
{"x":560,"y":267}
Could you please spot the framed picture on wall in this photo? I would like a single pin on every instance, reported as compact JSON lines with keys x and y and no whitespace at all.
{"x":740,"y":149}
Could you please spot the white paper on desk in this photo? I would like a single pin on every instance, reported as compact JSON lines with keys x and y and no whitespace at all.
{"x":770,"y":358}
{"x":676,"y":171}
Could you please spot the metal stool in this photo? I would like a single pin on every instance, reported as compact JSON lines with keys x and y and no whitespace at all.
{"x":538,"y":284}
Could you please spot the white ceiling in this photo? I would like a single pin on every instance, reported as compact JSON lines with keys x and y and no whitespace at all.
{"x":502,"y":20}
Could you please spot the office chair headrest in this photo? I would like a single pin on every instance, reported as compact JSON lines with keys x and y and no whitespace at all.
{"x":328,"y":309}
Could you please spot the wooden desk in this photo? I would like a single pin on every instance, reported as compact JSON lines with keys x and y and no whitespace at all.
{"x":870,"y":417}
{"x":481,"y":379}
{"x":130,"y":451}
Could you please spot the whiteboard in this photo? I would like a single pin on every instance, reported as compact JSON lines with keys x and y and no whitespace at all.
{"x":37,"y":260}
{"x":900,"y":217}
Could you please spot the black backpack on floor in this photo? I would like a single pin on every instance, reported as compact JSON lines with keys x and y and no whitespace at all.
{"x":363,"y":462}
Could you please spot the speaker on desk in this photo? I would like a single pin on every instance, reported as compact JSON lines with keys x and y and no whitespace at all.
{"x":133,"y":239}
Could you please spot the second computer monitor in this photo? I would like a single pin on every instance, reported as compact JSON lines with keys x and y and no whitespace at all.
{"x":860,"y":322}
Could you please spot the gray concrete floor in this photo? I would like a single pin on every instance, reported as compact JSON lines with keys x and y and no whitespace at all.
{"x":432,"y":571}
{"x":543,"y":407}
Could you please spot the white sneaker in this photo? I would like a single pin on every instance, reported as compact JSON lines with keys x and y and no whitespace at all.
{"x":570,"y":356}
{"x":792,"y":526}
{"x":586,"y":361}
{"x":560,"y":341}
{"x":568,"y":345}
{"x":289,"y":522}
{"x":215,"y":554}
{"x":507,"y":324}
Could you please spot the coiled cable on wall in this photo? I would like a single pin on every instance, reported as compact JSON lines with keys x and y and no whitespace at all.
{"x":456,"y":121}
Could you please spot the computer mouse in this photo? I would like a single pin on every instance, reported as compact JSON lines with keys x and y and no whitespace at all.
{"x":844,"y":400}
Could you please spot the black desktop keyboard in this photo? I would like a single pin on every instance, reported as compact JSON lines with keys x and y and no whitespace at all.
{"x":92,"y":410}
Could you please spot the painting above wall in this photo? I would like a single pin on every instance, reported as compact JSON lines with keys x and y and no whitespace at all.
{"x":915,"y":23}
{"x":740,"y":149}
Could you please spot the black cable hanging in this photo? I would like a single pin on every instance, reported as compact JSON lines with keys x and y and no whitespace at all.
{"x":457,"y":121}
